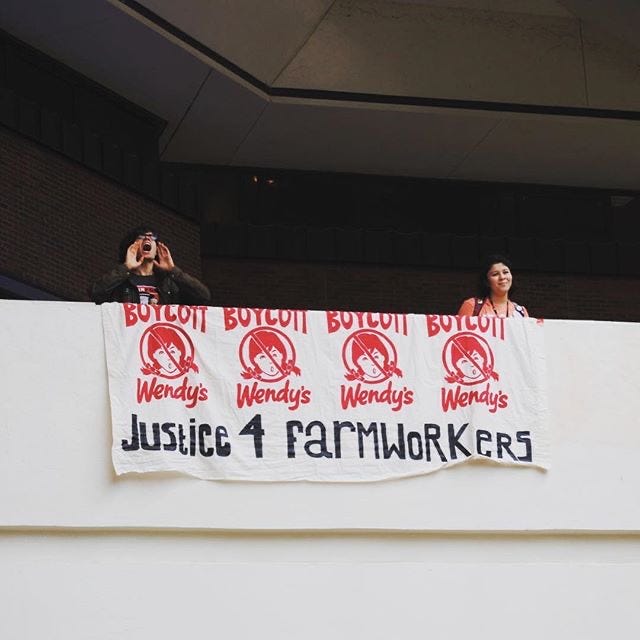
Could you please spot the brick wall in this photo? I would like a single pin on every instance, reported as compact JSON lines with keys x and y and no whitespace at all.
{"x":264,"y":283}
{"x":61,"y":223}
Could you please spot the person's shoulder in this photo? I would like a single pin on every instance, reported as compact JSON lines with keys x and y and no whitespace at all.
{"x":521,"y":310}
{"x":468,"y":306}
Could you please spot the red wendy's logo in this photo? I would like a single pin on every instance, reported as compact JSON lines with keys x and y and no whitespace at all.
{"x":268,"y":355}
{"x":369,"y":356}
{"x":166,"y":351}
{"x":468,"y":359}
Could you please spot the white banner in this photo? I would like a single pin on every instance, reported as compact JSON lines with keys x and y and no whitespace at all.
{"x":331,"y":396}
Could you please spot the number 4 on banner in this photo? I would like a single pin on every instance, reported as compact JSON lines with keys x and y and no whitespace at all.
{"x":254,"y":428}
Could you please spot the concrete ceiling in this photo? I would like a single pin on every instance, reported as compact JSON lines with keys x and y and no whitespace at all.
{"x":533,"y":91}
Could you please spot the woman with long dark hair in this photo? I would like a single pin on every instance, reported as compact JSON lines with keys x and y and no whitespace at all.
{"x":495,"y":281}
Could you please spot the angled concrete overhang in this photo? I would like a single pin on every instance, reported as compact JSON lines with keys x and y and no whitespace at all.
{"x":502,"y":90}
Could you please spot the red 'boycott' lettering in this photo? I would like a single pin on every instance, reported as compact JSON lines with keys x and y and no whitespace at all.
{"x":483,"y":324}
{"x":196,"y":316}
{"x":360,"y":320}
{"x":237,"y":316}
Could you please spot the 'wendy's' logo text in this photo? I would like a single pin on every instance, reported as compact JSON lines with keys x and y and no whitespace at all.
{"x":370,"y":358}
{"x":267,"y":355}
{"x":468,"y":361}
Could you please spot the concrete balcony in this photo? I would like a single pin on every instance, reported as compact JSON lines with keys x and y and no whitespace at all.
{"x":476,"y":549}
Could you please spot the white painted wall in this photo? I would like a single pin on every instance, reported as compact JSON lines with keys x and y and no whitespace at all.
{"x":476,"y":549}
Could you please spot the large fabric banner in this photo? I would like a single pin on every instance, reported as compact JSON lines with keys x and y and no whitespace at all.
{"x":332,"y":396}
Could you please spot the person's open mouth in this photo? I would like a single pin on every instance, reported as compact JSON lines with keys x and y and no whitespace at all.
{"x":146,"y":246}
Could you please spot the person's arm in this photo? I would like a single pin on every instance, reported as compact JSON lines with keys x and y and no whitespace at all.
{"x":101,"y":290}
{"x":191,"y":289}
{"x":467,"y":307}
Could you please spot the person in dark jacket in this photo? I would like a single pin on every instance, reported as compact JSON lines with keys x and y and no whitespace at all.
{"x":146,"y":274}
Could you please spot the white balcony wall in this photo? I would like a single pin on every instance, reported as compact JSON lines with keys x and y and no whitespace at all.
{"x":473,"y":550}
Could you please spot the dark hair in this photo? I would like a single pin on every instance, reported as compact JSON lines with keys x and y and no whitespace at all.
{"x":130,"y":237}
{"x":484,"y":290}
